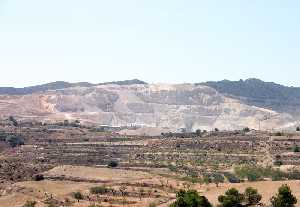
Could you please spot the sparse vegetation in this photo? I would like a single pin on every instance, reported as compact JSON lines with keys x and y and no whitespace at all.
{"x":13,"y":121}
{"x":152,"y":204}
{"x":296,"y":148}
{"x":30,"y":204}
{"x":15,"y":140}
{"x":99,"y":190}
{"x":246,"y":129}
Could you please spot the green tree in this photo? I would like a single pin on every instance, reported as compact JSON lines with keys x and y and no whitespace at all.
{"x":284,"y":198}
{"x":217,"y":179}
{"x":251,"y":196}
{"x":190,"y":198}
{"x":231,"y":198}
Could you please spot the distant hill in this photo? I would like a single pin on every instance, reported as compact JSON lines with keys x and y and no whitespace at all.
{"x":262,"y":94}
{"x":59,"y":85}
{"x":225,"y":104}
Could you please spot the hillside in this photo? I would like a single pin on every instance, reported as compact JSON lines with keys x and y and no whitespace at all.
{"x":134,"y":103}
{"x":261,"y":94}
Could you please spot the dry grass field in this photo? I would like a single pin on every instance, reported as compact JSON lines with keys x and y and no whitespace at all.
{"x":88,"y":177}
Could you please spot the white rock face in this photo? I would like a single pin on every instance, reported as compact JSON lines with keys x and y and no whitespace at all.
{"x":155,"y":105}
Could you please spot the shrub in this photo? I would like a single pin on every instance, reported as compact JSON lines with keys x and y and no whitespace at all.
{"x":252,"y":173}
{"x":52,"y":205}
{"x":14,"y":140}
{"x":217,"y":178}
{"x":94,"y":205}
{"x":277,"y":163}
{"x":152,"y":204}
{"x":198,"y":132}
{"x":190,"y":198}
{"x":13,"y":120}
{"x":277,"y":175}
{"x":113,"y":164}
{"x":29,"y":204}
{"x":296,"y":148}
{"x":39,"y":177}
{"x":284,"y":198}
{"x":78,"y":195}
{"x":98,"y":190}
{"x":246,"y":129}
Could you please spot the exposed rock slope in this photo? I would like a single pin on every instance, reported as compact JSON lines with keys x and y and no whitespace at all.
{"x":150,"y":105}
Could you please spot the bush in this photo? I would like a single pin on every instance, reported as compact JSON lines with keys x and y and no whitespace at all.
{"x":190,"y":198}
{"x":13,"y":120}
{"x":29,"y":204}
{"x":296,"y":148}
{"x":152,"y":204}
{"x":15,"y":141}
{"x":278,"y":134}
{"x":113,"y":164}
{"x":246,"y":129}
{"x":198,"y":132}
{"x":52,"y":205}
{"x":277,"y":163}
{"x":94,"y":205}
{"x":78,"y":195}
{"x":252,"y":173}
{"x":39,"y":177}
{"x":99,"y":190}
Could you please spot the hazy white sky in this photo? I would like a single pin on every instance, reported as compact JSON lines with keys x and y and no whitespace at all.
{"x":153,"y":40}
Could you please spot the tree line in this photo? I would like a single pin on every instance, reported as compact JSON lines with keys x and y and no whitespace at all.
{"x":233,"y":198}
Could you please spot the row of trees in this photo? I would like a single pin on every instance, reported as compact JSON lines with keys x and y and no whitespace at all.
{"x":233,"y":198}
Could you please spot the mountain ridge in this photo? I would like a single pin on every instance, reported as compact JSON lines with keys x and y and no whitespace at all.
{"x":57,"y":85}
{"x":261,"y":94}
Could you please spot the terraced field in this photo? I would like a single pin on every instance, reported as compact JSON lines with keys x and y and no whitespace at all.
{"x":57,"y":161}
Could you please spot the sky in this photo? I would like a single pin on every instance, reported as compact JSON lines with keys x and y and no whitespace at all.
{"x":170,"y":41}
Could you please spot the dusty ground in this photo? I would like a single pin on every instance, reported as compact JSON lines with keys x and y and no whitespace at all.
{"x":160,"y":187}
{"x":98,"y":174}
{"x":154,"y":187}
